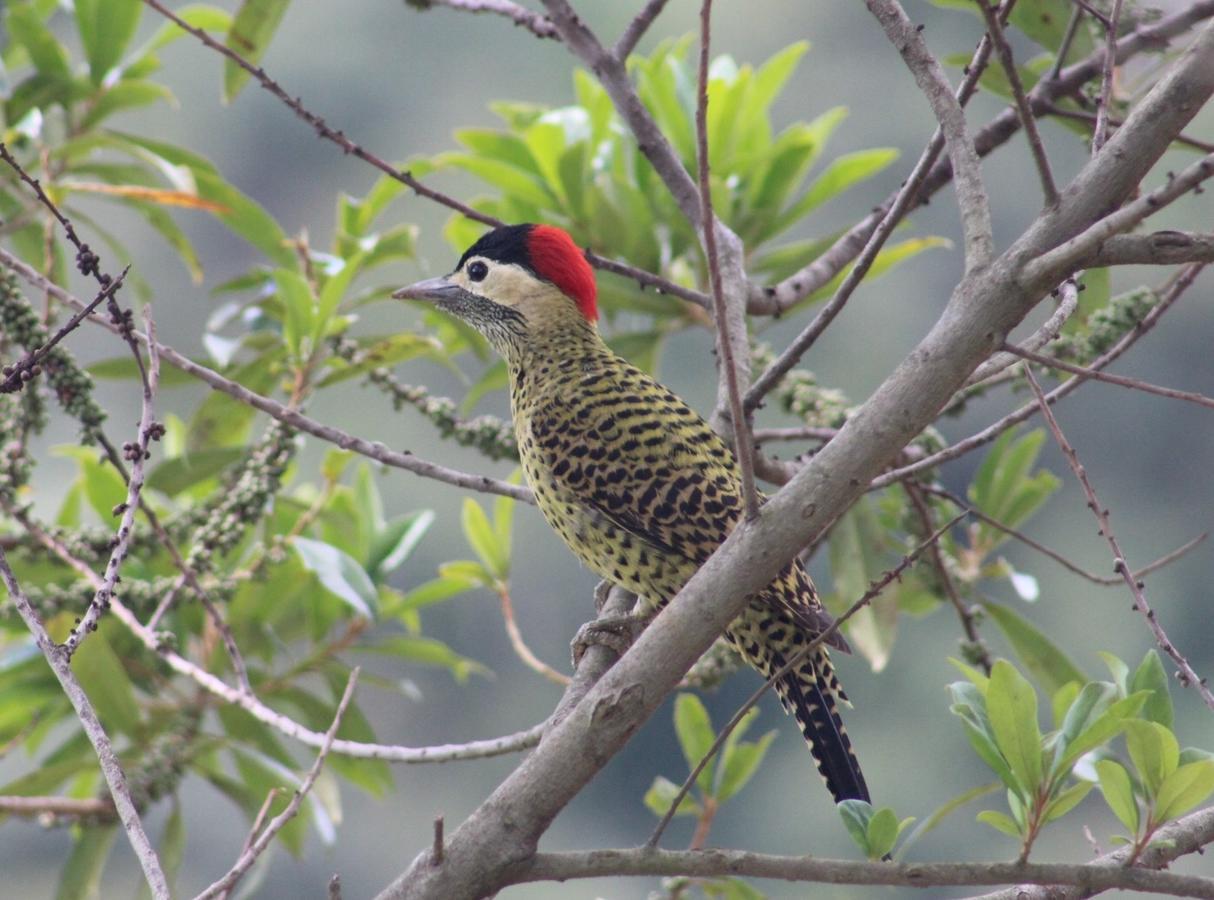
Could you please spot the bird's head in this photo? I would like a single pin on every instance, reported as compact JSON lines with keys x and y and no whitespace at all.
{"x":516,"y":283}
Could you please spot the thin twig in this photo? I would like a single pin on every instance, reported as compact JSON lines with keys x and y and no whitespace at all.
{"x":294,"y":418}
{"x":884,"y":220}
{"x":323,"y":129}
{"x":521,"y":650}
{"x":1101,"y":131}
{"x":965,"y":613}
{"x":1068,"y":302}
{"x":1076,"y":115}
{"x":1073,"y":253}
{"x":795,"y":433}
{"x":991,"y":432}
{"x":246,"y":700}
{"x":773,"y":299}
{"x":967,"y":174}
{"x":252,"y":852}
{"x":1103,"y":580}
{"x":137,"y":452}
{"x":636,"y":29}
{"x":519,"y":15}
{"x":1064,"y":46}
{"x":74,"y":807}
{"x":110,"y":767}
{"x":1028,"y":121}
{"x":1186,"y":675}
{"x":1120,"y":380}
{"x":743,"y":443}
{"x":13,"y":373}
{"x":795,"y":660}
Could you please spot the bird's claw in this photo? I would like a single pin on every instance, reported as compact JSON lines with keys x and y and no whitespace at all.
{"x":614,"y":632}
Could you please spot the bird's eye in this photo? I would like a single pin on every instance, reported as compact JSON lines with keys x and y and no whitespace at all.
{"x":477,"y":270}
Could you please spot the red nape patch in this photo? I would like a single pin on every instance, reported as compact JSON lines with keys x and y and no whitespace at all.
{"x":555,"y":257}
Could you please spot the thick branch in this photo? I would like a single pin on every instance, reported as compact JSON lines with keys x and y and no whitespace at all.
{"x":1089,"y":877}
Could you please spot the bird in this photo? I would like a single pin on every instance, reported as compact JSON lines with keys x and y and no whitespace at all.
{"x":638,"y":486}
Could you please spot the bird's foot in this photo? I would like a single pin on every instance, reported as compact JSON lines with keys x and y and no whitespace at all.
{"x":614,"y":632}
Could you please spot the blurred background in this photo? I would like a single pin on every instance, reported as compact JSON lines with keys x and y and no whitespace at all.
{"x":399,"y":81}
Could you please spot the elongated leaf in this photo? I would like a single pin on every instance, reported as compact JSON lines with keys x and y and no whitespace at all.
{"x":250,"y":34}
{"x":1041,"y":656}
{"x":1094,"y":731}
{"x":662,"y":793}
{"x":1011,"y":704}
{"x":999,"y":821}
{"x":340,"y":573}
{"x":482,"y":539}
{"x":25,"y":27}
{"x":80,"y":878}
{"x":1187,"y":786}
{"x":694,"y":730}
{"x":740,"y":764}
{"x":1150,"y":676}
{"x":1118,"y":792}
{"x":1154,"y":752}
{"x":106,"y":27}
{"x":1067,"y":800}
{"x":392,"y":546}
{"x":856,"y":814}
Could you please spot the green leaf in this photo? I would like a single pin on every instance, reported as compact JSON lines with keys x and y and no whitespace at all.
{"x":946,"y":809}
{"x":103,"y":486}
{"x":393,"y":545}
{"x":970,"y":705}
{"x":301,"y":311}
{"x":1186,"y":787}
{"x":694,"y":730}
{"x":1011,"y":704}
{"x":106,"y":28}
{"x":1118,"y":792}
{"x":175,"y":475}
{"x":481,"y":537}
{"x":429,"y":652}
{"x":106,"y":682}
{"x":844,"y":172}
{"x":740,"y":764}
{"x":26,"y":28}
{"x":855,"y":561}
{"x":662,"y":793}
{"x":1150,"y":676}
{"x":1044,"y":660}
{"x":1066,"y":800}
{"x":1095,"y":725}
{"x":1154,"y":751}
{"x":250,"y":34}
{"x":999,"y":821}
{"x":80,"y":877}
{"x":882,"y":832}
{"x":340,"y":573}
{"x":128,"y":94}
{"x":856,"y":815}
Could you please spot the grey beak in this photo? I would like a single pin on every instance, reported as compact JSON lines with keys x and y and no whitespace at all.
{"x":433,"y":290}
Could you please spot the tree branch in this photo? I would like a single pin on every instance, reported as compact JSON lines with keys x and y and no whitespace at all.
{"x":371,"y":449}
{"x":115,"y":778}
{"x":258,"y":847}
{"x":971,"y":193}
{"x":1186,"y":675}
{"x":636,"y":29}
{"x":1106,"y":873}
{"x":519,"y":15}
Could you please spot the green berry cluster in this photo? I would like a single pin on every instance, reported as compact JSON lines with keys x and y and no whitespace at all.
{"x":246,"y":499}
{"x":488,"y":434}
{"x":1105,"y":327}
{"x":72,"y":385}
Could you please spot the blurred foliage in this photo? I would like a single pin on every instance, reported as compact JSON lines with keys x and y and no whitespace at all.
{"x":305,"y":565}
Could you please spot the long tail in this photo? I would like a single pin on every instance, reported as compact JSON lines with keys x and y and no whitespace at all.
{"x":808,"y":693}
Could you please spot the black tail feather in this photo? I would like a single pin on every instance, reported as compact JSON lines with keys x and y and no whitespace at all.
{"x":815,"y":711}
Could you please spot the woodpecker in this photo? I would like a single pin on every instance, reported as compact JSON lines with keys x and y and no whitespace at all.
{"x":635,"y":483}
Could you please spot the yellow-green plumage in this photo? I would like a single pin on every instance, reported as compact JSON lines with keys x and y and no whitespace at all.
{"x":642,"y":490}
